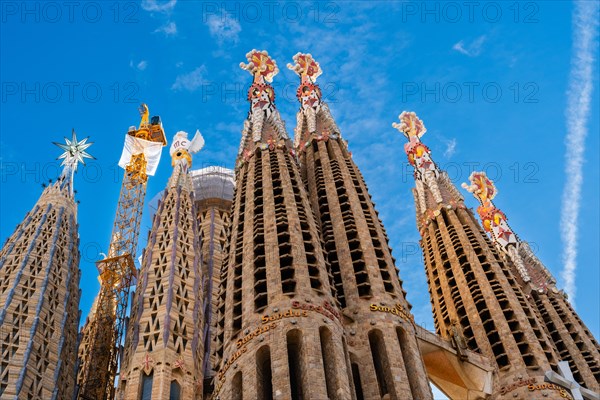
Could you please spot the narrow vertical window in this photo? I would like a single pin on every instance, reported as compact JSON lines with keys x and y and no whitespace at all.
{"x":328,"y":356}
{"x":357,"y":384}
{"x":264,"y":387}
{"x":237,"y":391}
{"x":294,"y":348}
{"x":146,"y":393}
{"x":380,"y":361}
{"x":175,"y":393}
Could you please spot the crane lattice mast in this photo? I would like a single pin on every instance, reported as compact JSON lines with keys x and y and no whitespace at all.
{"x":117,"y":272}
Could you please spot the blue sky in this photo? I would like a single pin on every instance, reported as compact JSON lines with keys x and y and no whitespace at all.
{"x":490,"y":82}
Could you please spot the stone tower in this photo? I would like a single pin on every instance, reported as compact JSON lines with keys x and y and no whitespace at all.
{"x":476,"y":299}
{"x":164,"y":344}
{"x":280,"y":334}
{"x":39,"y":292}
{"x":571,"y":339}
{"x":382,"y":346}
{"x":213,"y":192}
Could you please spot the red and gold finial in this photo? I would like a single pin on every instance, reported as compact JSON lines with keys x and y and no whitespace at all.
{"x":306,"y":67}
{"x":413,"y":128}
{"x":481,"y":186}
{"x":261,"y":66}
{"x":410,"y":125}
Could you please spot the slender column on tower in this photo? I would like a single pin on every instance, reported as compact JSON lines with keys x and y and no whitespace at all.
{"x":476,"y":299}
{"x":213,"y":192}
{"x":39,"y":292}
{"x":164,"y":343}
{"x":572,"y":340}
{"x":280,"y":330}
{"x":382,"y":346}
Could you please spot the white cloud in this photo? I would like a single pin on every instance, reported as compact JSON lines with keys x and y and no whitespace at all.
{"x":472,"y":49}
{"x":157,"y":5}
{"x":579,"y":97}
{"x":450,"y":148}
{"x":190,"y":81}
{"x":224,"y":29}
{"x":142,"y":65}
{"x":169,"y":29}
{"x":139,"y":66}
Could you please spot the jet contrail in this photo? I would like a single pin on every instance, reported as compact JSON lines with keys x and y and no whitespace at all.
{"x":579,"y":96}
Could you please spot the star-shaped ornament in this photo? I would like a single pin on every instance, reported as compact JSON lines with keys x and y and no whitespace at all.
{"x":74,"y":151}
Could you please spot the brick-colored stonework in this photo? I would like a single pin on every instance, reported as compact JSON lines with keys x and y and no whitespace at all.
{"x":280,"y":333}
{"x":476,"y":299}
{"x":164,"y":346}
{"x":213,"y":192}
{"x":378,"y":326}
{"x":571,"y":339}
{"x":39,"y":300}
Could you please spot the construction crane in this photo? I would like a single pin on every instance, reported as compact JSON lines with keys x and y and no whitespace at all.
{"x":103,"y":333}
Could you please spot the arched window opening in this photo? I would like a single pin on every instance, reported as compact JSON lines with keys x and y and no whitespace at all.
{"x":237,"y":391}
{"x":294,"y":348}
{"x":380,"y":362}
{"x":146,"y":392}
{"x":264,"y":386}
{"x":329,"y":366}
{"x":175,"y":392}
{"x":357,"y":384}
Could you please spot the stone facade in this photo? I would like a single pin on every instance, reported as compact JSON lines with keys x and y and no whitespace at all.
{"x":164,"y":349}
{"x":39,"y":300}
{"x":476,"y":299}
{"x":280,"y":331}
{"x":569,"y":336}
{"x":379,"y":329}
{"x":213,"y":192}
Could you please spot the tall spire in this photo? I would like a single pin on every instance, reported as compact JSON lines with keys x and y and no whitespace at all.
{"x":164,"y":339}
{"x":383,"y":353}
{"x":39,"y":292}
{"x":279,"y":332}
{"x":572,"y":340}
{"x":475,"y":296}
{"x":74,"y":153}
{"x":262,"y":107}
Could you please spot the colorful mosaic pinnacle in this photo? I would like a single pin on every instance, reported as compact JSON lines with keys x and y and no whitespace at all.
{"x":261,"y":66}
{"x":494,"y":220}
{"x":305,"y":67}
{"x":481,"y":186}
{"x":410,"y":125}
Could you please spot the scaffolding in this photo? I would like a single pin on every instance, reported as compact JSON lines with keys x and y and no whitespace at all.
{"x":117,"y":273}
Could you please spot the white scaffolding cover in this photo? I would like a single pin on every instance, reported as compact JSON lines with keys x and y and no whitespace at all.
{"x":151,"y":151}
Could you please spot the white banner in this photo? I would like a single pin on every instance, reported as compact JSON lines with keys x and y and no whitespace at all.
{"x":151,"y":151}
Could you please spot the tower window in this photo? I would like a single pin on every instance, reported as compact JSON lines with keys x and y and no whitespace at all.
{"x":264,"y":386}
{"x":146,"y":393}
{"x":294,"y":348}
{"x":175,"y":393}
{"x":237,"y":392}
